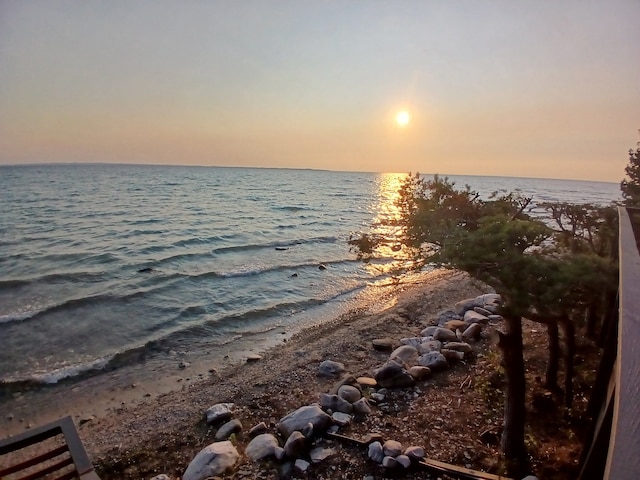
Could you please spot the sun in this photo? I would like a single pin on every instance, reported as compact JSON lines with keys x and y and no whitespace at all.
{"x":403,"y":118}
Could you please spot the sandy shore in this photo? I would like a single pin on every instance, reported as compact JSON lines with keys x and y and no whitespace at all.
{"x":137,"y":430}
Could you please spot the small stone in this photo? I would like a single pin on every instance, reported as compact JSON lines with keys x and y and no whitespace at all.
{"x":183,"y":365}
{"x":430,"y":346}
{"x":454,"y":325}
{"x":369,"y":438}
{"x":383,"y":344}
{"x":231,"y":427}
{"x":335,"y":403}
{"x":406,"y":354}
{"x":482,"y":311}
{"x":452,"y":355}
{"x":433,"y":360}
{"x":295,"y":445}
{"x":300,"y":418}
{"x":162,"y":476}
{"x":419,"y":372}
{"x":253,"y":358}
{"x":320,"y":454}
{"x":302,"y":465}
{"x":389,"y":462}
{"x":444,"y":335}
{"x":219,"y":412}
{"x":258,"y":429}
{"x":367,"y":382}
{"x":472,"y":332}
{"x":459,"y":347}
{"x":392,"y":448}
{"x":375,"y":452}
{"x":474,"y":317}
{"x":393,"y":375}
{"x":362,"y":406}
{"x":429,"y":331}
{"x":349,"y":393}
{"x":403,"y":460}
{"x":329,"y":368}
{"x":213,"y":460}
{"x":262,"y":446}
{"x":415,"y":452}
{"x":341,"y":419}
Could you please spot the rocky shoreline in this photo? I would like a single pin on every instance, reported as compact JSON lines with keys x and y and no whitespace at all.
{"x":444,"y":414}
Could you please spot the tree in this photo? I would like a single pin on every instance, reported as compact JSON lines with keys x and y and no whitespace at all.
{"x":540,"y":272}
{"x":631,"y":188}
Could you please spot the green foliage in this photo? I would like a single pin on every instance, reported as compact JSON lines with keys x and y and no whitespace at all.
{"x":534,"y":266}
{"x":631,"y":187}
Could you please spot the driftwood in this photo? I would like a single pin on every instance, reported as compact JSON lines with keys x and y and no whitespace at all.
{"x":427,"y":463}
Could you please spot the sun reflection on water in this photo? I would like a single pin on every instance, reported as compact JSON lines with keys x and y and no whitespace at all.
{"x":384,"y":224}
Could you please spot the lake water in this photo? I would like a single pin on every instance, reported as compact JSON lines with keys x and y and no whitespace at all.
{"x":107,"y":265}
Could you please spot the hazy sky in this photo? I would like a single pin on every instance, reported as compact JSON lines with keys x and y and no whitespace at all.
{"x":542,"y":88}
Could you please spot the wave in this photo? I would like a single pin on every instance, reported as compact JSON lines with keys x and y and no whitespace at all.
{"x":18,"y":317}
{"x":72,"y":277}
{"x":75,"y":371}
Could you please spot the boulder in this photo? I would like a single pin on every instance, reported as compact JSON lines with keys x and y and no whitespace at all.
{"x":302,"y":465}
{"x":415,"y":452}
{"x":262,"y":446}
{"x":375,"y":452}
{"x":258,"y":429}
{"x":474,"y":317}
{"x":341,"y":419}
{"x":329,"y":368}
{"x":362,"y":406}
{"x":335,"y":403}
{"x":403,"y":460}
{"x":389,"y":462}
{"x":472,"y":332}
{"x":218,"y":413}
{"x":430,"y":346}
{"x":211,"y":461}
{"x":419,"y":372}
{"x":392,"y":448}
{"x":393,"y":375}
{"x":300,"y":418}
{"x":444,"y":335}
{"x":350,"y":393}
{"x":406,"y":354}
{"x":295,"y":445}
{"x":433,"y":360}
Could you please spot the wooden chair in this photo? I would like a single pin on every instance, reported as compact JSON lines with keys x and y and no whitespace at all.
{"x":59,"y":462}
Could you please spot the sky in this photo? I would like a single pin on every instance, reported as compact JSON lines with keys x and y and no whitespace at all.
{"x":539,"y":88}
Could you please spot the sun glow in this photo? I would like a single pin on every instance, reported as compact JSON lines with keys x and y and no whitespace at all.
{"x":403,"y":118}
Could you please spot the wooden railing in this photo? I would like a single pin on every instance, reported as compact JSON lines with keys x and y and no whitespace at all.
{"x":612,"y":451}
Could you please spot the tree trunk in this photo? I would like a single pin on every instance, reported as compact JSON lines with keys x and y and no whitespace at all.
{"x":551,"y":375}
{"x":592,"y":317}
{"x":568,"y":329}
{"x":514,"y":402}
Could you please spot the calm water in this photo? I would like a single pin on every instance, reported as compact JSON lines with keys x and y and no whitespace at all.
{"x":105,"y":265}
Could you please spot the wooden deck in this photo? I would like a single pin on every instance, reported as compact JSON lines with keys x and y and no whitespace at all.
{"x":613,"y":450}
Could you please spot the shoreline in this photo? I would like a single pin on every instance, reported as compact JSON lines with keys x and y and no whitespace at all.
{"x":95,"y":396}
{"x":123,"y":430}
